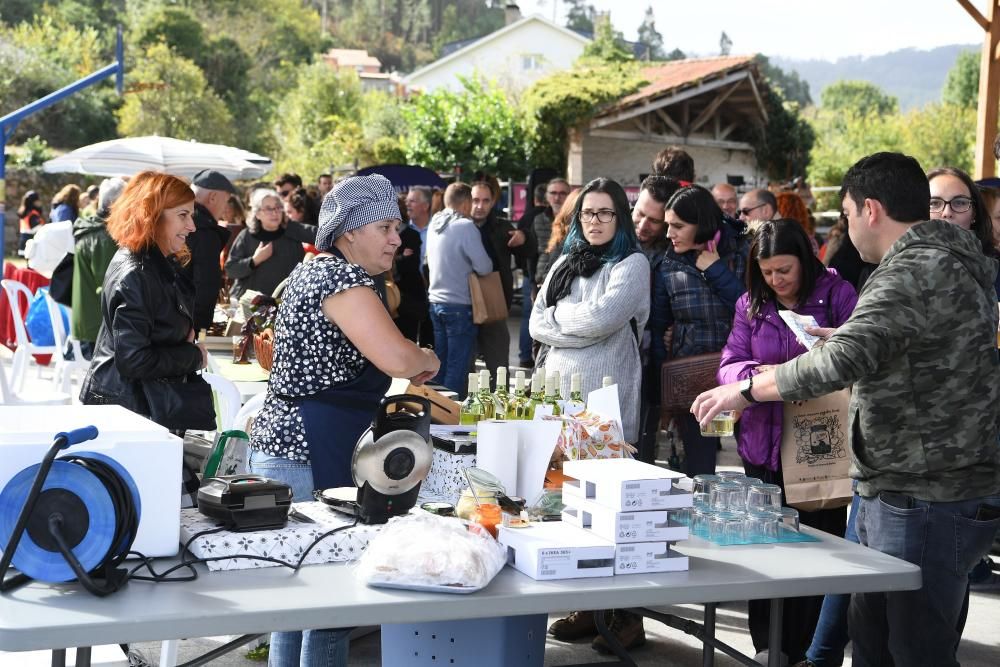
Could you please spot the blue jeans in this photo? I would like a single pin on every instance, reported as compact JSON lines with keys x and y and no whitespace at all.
{"x":309,"y":648}
{"x":830,"y":638}
{"x":454,"y":340}
{"x":524,"y":341}
{"x":945,"y":540}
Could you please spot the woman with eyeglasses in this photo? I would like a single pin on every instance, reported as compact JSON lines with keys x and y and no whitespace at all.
{"x":265,"y":253}
{"x":589,"y":313}
{"x":695,"y":289}
{"x":956,"y":199}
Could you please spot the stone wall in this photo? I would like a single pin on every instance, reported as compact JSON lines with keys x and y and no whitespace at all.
{"x":19,"y":181}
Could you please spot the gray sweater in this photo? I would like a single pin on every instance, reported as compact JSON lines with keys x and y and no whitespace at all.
{"x":454,"y":250}
{"x":589,"y":333}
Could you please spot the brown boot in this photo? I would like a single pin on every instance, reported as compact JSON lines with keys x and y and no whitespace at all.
{"x":578,"y":625}
{"x":627,"y":629}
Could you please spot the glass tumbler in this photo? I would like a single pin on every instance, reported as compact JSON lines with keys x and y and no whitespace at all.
{"x":726,"y":496}
{"x":681,"y":517}
{"x":700,"y":500}
{"x":762,"y":526}
{"x":730,"y":475}
{"x":764,"y":497}
{"x":703,"y":483}
{"x":700,"y":517}
{"x":727,"y":528}
{"x":787,"y":517}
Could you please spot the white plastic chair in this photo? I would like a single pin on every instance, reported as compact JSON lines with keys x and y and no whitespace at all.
{"x":66,"y":369}
{"x":13,"y":289}
{"x":228,"y":399}
{"x":10,"y":396}
{"x":249,"y":410}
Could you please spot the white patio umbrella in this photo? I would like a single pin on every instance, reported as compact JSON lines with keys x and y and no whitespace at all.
{"x":129,"y":156}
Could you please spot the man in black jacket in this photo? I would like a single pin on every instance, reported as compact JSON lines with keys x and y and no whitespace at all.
{"x":211,"y":194}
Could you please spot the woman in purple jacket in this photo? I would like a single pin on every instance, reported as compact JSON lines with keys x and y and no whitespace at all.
{"x":782,"y":274}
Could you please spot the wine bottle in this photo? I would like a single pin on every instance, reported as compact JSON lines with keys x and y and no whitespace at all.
{"x":575,"y":404}
{"x":472,"y":407}
{"x":519,"y":406}
{"x":485,"y":396}
{"x":501,"y":397}
{"x":537,"y":392}
{"x":551,"y":391}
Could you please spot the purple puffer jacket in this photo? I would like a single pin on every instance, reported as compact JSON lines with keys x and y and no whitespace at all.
{"x":766,"y":340}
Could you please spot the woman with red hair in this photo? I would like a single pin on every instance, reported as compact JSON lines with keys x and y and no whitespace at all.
{"x":792,"y":207}
{"x":145,"y":357}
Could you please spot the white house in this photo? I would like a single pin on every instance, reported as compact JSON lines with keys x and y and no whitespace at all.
{"x":515,"y":56}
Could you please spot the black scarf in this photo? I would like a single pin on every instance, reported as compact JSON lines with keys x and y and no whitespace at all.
{"x":265,"y":236}
{"x":582,"y":260}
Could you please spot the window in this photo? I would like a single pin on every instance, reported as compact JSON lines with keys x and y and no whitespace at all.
{"x":531,"y":61}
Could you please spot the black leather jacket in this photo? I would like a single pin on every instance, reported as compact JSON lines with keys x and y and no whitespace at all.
{"x":146,"y":314}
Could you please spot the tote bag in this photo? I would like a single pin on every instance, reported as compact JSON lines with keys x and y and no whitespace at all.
{"x":815,"y":455}
{"x":488,"y":301}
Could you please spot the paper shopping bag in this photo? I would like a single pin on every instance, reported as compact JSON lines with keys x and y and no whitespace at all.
{"x":815,"y":456}
{"x":488,"y":301}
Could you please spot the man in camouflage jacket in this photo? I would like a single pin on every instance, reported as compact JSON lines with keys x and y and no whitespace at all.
{"x":921,"y":354}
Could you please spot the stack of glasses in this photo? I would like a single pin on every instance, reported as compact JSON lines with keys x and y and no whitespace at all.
{"x":731,"y":508}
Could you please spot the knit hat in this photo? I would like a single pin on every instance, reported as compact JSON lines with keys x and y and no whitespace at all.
{"x":354,"y":202}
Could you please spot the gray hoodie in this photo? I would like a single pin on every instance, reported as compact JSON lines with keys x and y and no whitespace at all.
{"x":454,"y":250}
{"x":921,"y":354}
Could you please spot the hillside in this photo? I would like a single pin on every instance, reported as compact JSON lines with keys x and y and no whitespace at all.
{"x":912,"y":75}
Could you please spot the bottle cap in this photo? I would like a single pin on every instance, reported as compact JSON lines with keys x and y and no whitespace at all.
{"x":607,"y":381}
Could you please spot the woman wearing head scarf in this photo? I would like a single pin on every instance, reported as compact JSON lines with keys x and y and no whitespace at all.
{"x":336,"y":351}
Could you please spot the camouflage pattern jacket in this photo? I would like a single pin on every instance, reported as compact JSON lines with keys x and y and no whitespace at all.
{"x":921,"y":353}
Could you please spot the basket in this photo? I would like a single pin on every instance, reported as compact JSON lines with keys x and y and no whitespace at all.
{"x":263,"y":346}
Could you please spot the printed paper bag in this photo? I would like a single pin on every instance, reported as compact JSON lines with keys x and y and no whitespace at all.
{"x":815,"y":456}
{"x":488,"y":301}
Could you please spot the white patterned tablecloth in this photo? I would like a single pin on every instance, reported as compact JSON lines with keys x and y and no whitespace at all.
{"x":285,"y":544}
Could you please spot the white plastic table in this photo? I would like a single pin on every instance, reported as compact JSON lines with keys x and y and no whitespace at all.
{"x":45,"y":616}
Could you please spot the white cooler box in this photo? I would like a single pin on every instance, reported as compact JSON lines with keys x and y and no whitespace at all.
{"x":148,"y":451}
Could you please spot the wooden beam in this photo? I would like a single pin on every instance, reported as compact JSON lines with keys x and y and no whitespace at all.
{"x":686,"y":117}
{"x":989,"y":96}
{"x":713,"y":106}
{"x":694,"y":91}
{"x":668,"y":121}
{"x":671,"y":139}
{"x":574,"y":157}
{"x":727,"y":131}
{"x":974,"y":13}
{"x":760,"y":102}
{"x":716,"y":125}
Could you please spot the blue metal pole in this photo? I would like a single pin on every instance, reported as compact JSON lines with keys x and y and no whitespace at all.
{"x":9,"y":122}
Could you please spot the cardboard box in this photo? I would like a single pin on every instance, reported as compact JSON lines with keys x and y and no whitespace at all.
{"x":555,"y":550}
{"x":624,"y":485}
{"x":648,"y":557}
{"x":443,"y":409}
{"x":623,"y":527}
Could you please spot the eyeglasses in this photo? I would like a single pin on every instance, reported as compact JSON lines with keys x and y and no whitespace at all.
{"x":602,"y":216}
{"x":285,"y":193}
{"x":958,"y":204}
{"x":746,"y":211}
{"x":272,"y":209}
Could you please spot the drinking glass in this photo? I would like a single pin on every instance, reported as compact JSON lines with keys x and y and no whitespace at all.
{"x":726,"y":496}
{"x":787,"y":517}
{"x":721,"y":425}
{"x":727,"y":528}
{"x":700,"y":517}
{"x":764,"y":497}
{"x":700,"y":500}
{"x":762,"y":526}
{"x":682,"y":516}
{"x":703,"y":483}
{"x":730,"y":475}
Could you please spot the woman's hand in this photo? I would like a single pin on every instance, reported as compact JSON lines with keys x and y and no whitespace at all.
{"x":433,"y":366}
{"x":190,"y":336}
{"x":262,"y":253}
{"x":707,"y":257}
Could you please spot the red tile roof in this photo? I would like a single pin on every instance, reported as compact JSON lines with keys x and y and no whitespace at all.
{"x":669,"y":76}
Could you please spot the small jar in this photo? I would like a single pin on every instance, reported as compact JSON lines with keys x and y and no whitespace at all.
{"x":467,"y":502}
{"x":489,"y":516}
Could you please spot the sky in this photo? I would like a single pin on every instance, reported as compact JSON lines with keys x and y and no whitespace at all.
{"x":798,"y":29}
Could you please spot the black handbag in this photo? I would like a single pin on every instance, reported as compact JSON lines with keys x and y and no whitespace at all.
{"x":61,"y":287}
{"x":180,"y":402}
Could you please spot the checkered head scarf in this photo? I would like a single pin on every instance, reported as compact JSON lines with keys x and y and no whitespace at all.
{"x":354,"y":202}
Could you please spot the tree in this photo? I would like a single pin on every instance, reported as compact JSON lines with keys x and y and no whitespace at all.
{"x":783,"y":144}
{"x":608,"y":45}
{"x":940,"y":135}
{"x":650,"y":38}
{"x":177,"y":28}
{"x":725,"y":44}
{"x":860,"y":97}
{"x":173,"y":100}
{"x":843,"y":137}
{"x":580,"y":16}
{"x":961,"y":87}
{"x":476,"y":128}
{"x":316,"y":124}
{"x":562,"y":102}
{"x":791,"y":87}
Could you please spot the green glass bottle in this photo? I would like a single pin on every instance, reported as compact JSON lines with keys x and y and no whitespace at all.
{"x":575,"y":405}
{"x":537,"y":391}
{"x":519,"y":406}
{"x":551,"y":391}
{"x":486,"y":396}
{"x":559,"y":395}
{"x":472,"y":410}
{"x":501,"y":397}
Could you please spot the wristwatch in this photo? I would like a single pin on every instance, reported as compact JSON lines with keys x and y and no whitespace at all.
{"x":746,"y":390}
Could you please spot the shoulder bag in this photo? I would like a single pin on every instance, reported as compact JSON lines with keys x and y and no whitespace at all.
{"x":180,"y":402}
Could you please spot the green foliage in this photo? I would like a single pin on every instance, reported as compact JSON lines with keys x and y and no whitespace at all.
{"x":580,"y":16}
{"x":961,"y":87}
{"x":844,"y":137}
{"x":940,"y":135}
{"x":859,"y":97}
{"x":608,"y":46}
{"x":314,"y":126}
{"x":474,"y":129}
{"x":13,"y":12}
{"x":650,"y":37}
{"x":561,"y":102}
{"x":789,"y":85}
{"x":41,"y":56}
{"x":173,"y":100}
{"x":783,"y":144}
{"x":34,"y":152}
{"x":177,"y":28}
